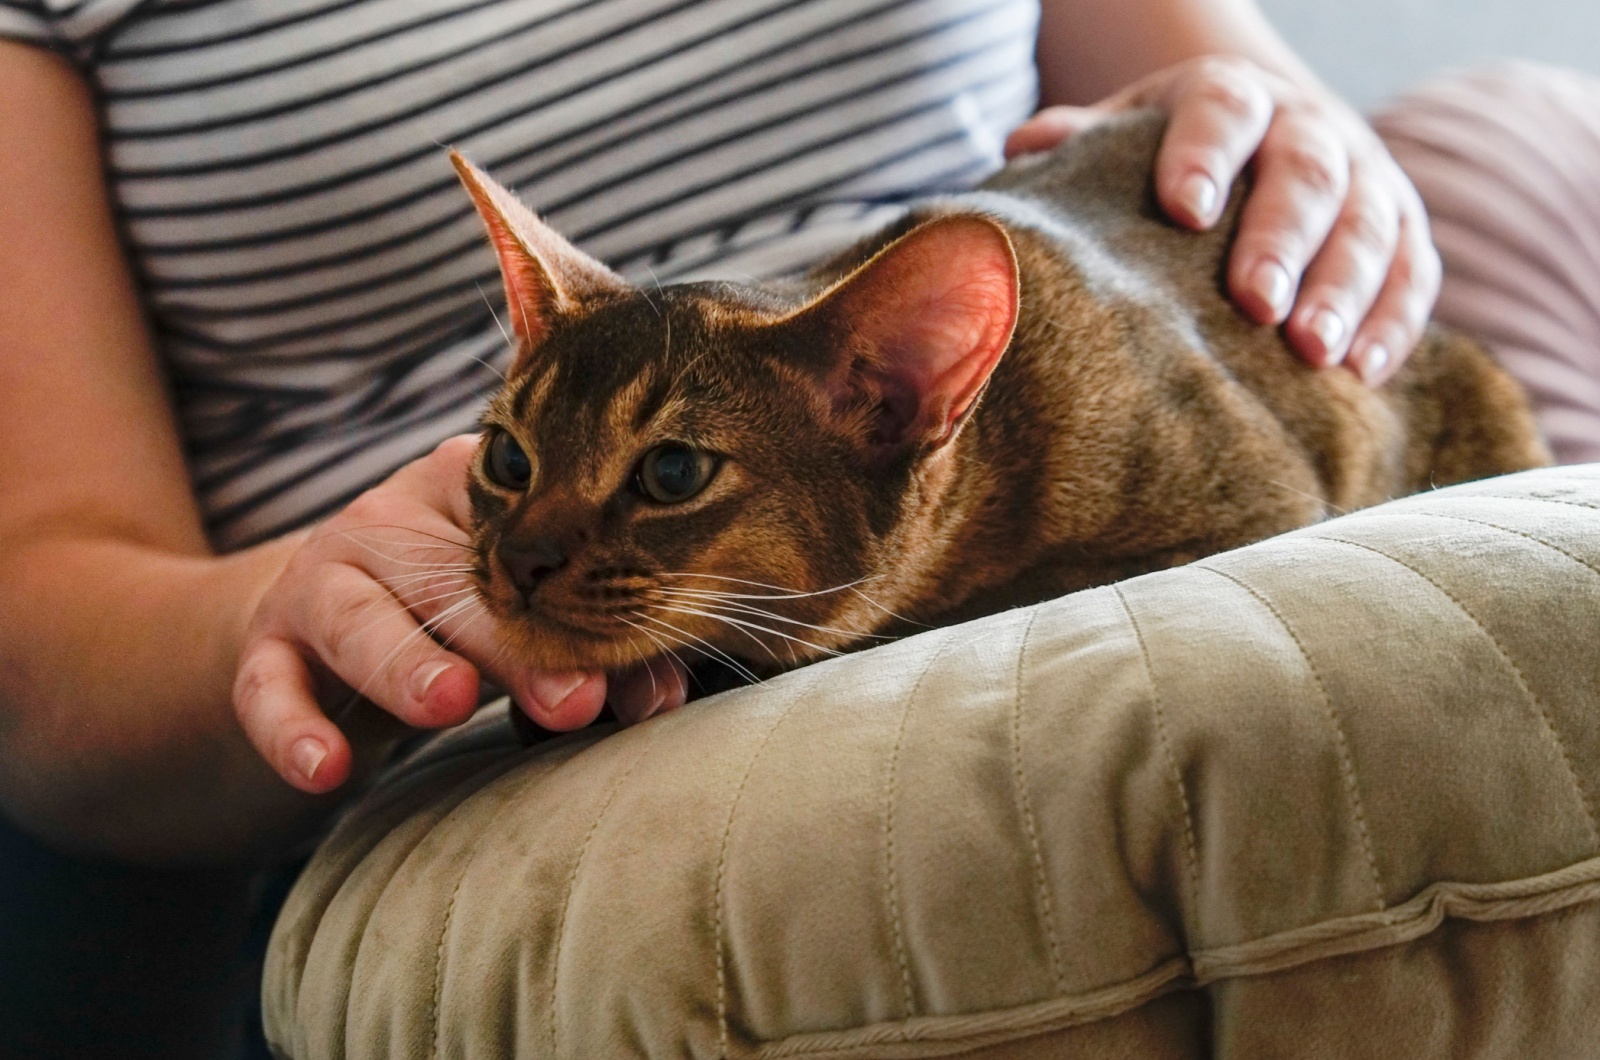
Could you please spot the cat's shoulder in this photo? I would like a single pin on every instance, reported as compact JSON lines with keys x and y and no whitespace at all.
{"x":1105,"y":171}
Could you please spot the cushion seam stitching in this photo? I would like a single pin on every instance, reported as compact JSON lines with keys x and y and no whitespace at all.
{"x":1030,"y":827}
{"x":1158,"y":710}
{"x":1538,"y":704}
{"x":890,"y":885}
{"x":1347,"y":768}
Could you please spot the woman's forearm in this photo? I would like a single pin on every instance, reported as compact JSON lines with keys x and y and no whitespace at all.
{"x":1089,"y":49}
{"x":116,"y":731}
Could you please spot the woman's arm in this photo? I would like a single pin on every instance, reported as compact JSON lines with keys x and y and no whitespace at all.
{"x":1334,"y":241}
{"x":121,"y":629}
{"x":154,"y":697}
{"x":1089,"y":49}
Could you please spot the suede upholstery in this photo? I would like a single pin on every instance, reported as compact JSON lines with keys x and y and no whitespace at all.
{"x":1329,"y":795}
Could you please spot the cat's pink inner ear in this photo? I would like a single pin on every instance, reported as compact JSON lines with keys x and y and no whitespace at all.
{"x":544,"y":274}
{"x":936,"y":311}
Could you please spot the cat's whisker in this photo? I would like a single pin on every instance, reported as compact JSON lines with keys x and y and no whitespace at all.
{"x":666,"y":649}
{"x":380,"y":601}
{"x":440,"y":598}
{"x":388,"y":659}
{"x":451,"y":542}
{"x":757,"y":641}
{"x":702,"y":355}
{"x":490,"y":364}
{"x":1308,"y":496}
{"x":522,"y":311}
{"x":891,"y":614}
{"x":422,"y":576}
{"x":707,"y":646}
{"x":787,"y":592}
{"x":463,"y":624}
{"x":389,"y":557}
{"x":720,"y":594}
{"x":437,"y":621}
{"x":412,"y":545}
{"x":761,"y":612}
{"x":737,"y":666}
{"x":655,"y":280}
{"x":503,"y":332}
{"x":416,"y":603}
{"x":752,"y":625}
{"x":654,"y":691}
{"x":686,"y":669}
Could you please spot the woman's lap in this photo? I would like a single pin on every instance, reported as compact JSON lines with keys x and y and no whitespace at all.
{"x":1508,"y":162}
{"x":118,"y":962}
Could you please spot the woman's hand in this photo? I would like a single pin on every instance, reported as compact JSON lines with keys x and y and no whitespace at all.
{"x":1334,"y":240}
{"x":378,"y":600}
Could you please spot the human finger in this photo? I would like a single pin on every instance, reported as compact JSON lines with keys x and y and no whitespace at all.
{"x":1400,"y":314}
{"x":1220,"y":113}
{"x":274,"y":698}
{"x":438,"y":479}
{"x":1302,"y":177}
{"x":1050,"y":127}
{"x":653,"y":687}
{"x":560,"y":700}
{"x":1344,"y":278}
{"x":375,"y":644}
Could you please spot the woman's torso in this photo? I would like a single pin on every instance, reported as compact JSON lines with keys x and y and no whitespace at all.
{"x":319,"y":285}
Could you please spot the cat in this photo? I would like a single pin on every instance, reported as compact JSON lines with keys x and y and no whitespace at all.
{"x":1010,"y":394}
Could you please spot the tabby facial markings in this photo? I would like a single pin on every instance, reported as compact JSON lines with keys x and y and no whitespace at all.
{"x":650,"y":403}
{"x":490,"y":505}
{"x":533,"y":390}
{"x":626,"y":413}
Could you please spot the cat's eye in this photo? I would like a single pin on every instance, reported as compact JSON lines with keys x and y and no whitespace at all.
{"x":505,"y":463}
{"x":672,"y":473}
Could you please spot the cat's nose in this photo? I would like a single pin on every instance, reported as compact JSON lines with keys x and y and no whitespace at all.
{"x":528,"y":564}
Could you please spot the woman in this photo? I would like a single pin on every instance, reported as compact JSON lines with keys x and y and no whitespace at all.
{"x":239,"y":300}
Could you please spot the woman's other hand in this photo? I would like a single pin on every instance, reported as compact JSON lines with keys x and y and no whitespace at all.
{"x":379,"y":600}
{"x":1333,"y":242}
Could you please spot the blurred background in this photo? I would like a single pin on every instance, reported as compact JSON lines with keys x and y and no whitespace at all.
{"x":1368,"y":50}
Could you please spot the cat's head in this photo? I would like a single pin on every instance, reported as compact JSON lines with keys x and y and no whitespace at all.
{"x":725,"y":470}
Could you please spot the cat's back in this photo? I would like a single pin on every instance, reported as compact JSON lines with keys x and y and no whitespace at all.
{"x":1086,"y":214}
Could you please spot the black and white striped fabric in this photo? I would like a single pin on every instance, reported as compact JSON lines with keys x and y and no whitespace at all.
{"x":319,"y":284}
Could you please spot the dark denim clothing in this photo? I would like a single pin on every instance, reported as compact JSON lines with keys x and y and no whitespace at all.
{"x":110,"y":962}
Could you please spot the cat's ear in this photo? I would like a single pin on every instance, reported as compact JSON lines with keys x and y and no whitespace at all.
{"x":545,"y":276}
{"x":920,"y":327}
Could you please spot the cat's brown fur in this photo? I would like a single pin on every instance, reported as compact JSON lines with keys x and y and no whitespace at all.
{"x":1133,"y":421}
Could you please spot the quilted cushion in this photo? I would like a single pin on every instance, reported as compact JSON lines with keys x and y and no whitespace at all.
{"x":1329,"y":795}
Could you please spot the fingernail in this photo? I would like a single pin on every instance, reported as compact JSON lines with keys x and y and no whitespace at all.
{"x":426,"y":676}
{"x":1198,"y":193}
{"x":1271,"y":282}
{"x":1328,"y":327}
{"x":307,"y":755}
{"x":551,"y":689}
{"x":658,"y":701}
{"x":633,"y":714}
{"x":1371,"y":361}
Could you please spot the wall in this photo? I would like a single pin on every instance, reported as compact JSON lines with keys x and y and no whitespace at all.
{"x":1370,"y":49}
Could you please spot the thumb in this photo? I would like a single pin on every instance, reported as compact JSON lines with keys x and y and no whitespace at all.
{"x":1050,"y":127}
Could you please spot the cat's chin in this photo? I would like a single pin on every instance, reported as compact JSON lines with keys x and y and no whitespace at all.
{"x":539,"y":643}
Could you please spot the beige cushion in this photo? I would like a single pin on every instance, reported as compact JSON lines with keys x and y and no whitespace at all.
{"x":1330,"y":795}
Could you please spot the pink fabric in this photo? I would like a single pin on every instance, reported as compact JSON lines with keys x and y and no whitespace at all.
{"x":1508,"y":162}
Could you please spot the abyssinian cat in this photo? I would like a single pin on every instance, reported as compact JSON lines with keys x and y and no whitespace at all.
{"x":1012,"y":393}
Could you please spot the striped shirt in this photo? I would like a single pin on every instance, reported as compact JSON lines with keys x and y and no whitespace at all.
{"x":319,"y":286}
